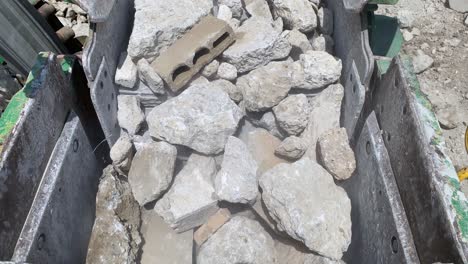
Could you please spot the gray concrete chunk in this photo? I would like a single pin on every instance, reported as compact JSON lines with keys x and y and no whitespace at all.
{"x":126,"y":72}
{"x":129,"y":113}
{"x":291,"y":148}
{"x":297,"y":14}
{"x":292,"y":114}
{"x":149,"y":77}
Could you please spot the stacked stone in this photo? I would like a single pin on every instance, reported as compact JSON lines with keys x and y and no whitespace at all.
{"x":258,"y":129}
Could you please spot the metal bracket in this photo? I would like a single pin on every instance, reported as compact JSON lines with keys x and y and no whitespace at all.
{"x":426,"y":178}
{"x":59,"y":225}
{"x":381,"y":232}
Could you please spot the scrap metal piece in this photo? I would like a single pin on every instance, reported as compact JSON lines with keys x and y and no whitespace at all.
{"x":98,"y":11}
{"x":428,"y":183}
{"x":381,"y":232}
{"x":59,"y":225}
{"x":352,"y":40}
{"x":354,"y":96}
{"x":198,"y":47}
{"x":29,"y":129}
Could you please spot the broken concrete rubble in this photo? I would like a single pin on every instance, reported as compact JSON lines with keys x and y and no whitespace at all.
{"x":299,"y":42}
{"x":211,"y":69}
{"x":201,"y":118}
{"x":224,"y":13}
{"x":292,"y":114}
{"x":323,"y":43}
{"x":266,"y":86}
{"x":189,"y":202}
{"x":122,"y":153}
{"x":152,"y":171}
{"x":232,"y":90}
{"x":305,"y":202}
{"x":227,"y":71}
{"x":421,"y":61}
{"x":291,"y":148}
{"x":129,"y":114}
{"x":335,"y":154}
{"x":237,"y":180}
{"x":268,"y":122}
{"x":235,"y":6}
{"x":320,"y":69}
{"x":126,"y":72}
{"x":149,"y":77}
{"x":325,"y":115}
{"x":296,"y":14}
{"x":115,"y":237}
{"x":258,"y":9}
{"x":262,"y":146}
{"x":211,"y":226}
{"x":189,"y":54}
{"x":241,"y":240}
{"x":158,"y":24}
{"x":257,"y":43}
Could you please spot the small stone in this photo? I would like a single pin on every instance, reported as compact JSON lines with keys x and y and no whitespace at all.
{"x":305,"y":203}
{"x":129,"y":113}
{"x":266,"y":86}
{"x":189,"y":202}
{"x":416,"y":32}
{"x":258,"y":9}
{"x":292,"y":114}
{"x":335,"y":154}
{"x":262,"y":146}
{"x":448,"y":117}
{"x":323,"y":43}
{"x":211,"y":69}
{"x":234,"y":5}
{"x":320,"y":69}
{"x":201,"y":118}
{"x":405,"y":18}
{"x":407,"y":36}
{"x":459,"y":5}
{"x":237,"y":181}
{"x":227,"y":71}
{"x":231,"y":89}
{"x":296,"y":14}
{"x":199,"y":80}
{"x":259,"y":42}
{"x":81,"y":30}
{"x":122,"y":153}
{"x":152,"y":171}
{"x":241,"y":240}
{"x":149,"y":77}
{"x":158,"y":24}
{"x":421,"y":62}
{"x":325,"y":115}
{"x":325,"y":20}
{"x":126,"y":73}
{"x":292,"y":148}
{"x":211,"y":226}
{"x":234,"y":23}
{"x":299,"y":42}
{"x":224,"y":13}
{"x":268,"y":122}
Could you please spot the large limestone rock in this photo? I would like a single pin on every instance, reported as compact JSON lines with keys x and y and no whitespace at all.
{"x":292,"y":114}
{"x":158,"y":23}
{"x":296,"y":14}
{"x":325,"y":115}
{"x":115,"y":237}
{"x":237,"y":180}
{"x":291,"y":148}
{"x":189,"y":202}
{"x":266,"y":86}
{"x":306,"y":204}
{"x":129,"y":113}
{"x":258,"y":42}
{"x":299,"y":42}
{"x":126,"y":72}
{"x":335,"y":154}
{"x":320,"y":69}
{"x":241,"y":240}
{"x":262,"y":146}
{"x":201,"y":118}
{"x":152,"y":171}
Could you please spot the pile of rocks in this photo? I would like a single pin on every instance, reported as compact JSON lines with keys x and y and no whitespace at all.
{"x":247,"y":155}
{"x":71,"y":15}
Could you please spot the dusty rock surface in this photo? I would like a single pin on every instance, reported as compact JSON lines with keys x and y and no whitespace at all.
{"x":240,"y":240}
{"x":152,"y":171}
{"x":227,"y":71}
{"x":129,"y":113}
{"x":126,"y":73}
{"x":335,"y":154}
{"x":292,"y":114}
{"x":149,"y":77}
{"x":189,"y":202}
{"x":305,"y":202}
{"x":122,"y":153}
{"x":202,"y":118}
{"x":297,"y":14}
{"x":291,"y":148}
{"x":320,"y":69}
{"x":268,"y":122}
{"x":237,"y":180}
{"x":211,"y":69}
{"x":236,"y":7}
{"x":231,"y":89}
{"x":258,"y":42}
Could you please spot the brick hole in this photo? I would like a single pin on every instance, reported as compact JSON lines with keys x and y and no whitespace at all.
{"x":220,"y":39}
{"x":200,"y":54}
{"x":180,"y":71}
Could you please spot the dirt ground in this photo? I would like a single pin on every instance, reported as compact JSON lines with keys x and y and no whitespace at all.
{"x":443,"y":36}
